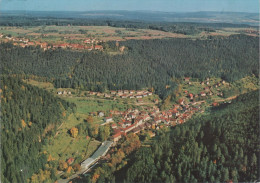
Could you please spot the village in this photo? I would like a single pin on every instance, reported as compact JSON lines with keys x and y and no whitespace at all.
{"x":134,"y":120}
{"x":87,"y":44}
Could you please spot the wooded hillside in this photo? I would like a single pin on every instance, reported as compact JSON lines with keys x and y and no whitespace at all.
{"x":144,"y":63}
{"x":28,"y":115}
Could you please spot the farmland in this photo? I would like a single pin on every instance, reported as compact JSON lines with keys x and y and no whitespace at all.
{"x":88,"y":35}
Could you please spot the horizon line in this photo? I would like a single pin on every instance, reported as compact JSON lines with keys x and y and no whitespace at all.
{"x":130,"y":11}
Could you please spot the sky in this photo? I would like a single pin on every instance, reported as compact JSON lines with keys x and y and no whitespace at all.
{"x":154,"y":5}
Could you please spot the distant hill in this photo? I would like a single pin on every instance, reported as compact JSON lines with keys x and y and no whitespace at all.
{"x":201,"y":17}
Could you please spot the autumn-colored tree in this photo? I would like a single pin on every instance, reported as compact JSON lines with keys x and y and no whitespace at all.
{"x":69,"y":170}
{"x":90,"y":119}
{"x":74,"y":132}
{"x":132,"y":143}
{"x":76,"y":167}
{"x":97,"y":174}
{"x":23,"y":123}
{"x":34,"y":178}
{"x":117,"y":158}
{"x":62,"y":165}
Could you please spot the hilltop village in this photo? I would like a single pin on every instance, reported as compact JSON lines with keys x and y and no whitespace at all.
{"x":86,"y":44}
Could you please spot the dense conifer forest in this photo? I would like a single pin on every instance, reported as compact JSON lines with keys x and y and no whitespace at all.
{"x":144,"y":63}
{"x":219,"y":147}
{"x":28,"y":115}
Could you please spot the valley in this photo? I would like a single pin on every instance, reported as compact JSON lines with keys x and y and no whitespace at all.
{"x":129,"y":100}
{"x":139,"y":115}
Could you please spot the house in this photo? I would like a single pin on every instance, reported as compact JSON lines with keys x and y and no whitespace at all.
{"x":124,"y":96}
{"x":92,"y":93}
{"x":108,"y":119}
{"x":156,"y":110}
{"x":101,"y":114}
{"x":119,"y":93}
{"x":64,"y":92}
{"x":126,"y":91}
{"x":69,"y":92}
{"x":98,"y":47}
{"x":129,"y":128}
{"x":187,"y":79}
{"x":157,"y":120}
{"x":156,"y":101}
{"x":30,"y":43}
{"x":144,"y":95}
{"x":181,"y":101}
{"x":116,"y":137}
{"x":107,"y":95}
{"x":202,"y":94}
{"x":206,"y":89}
{"x":139,"y":96}
{"x":132,"y":115}
{"x":70,"y":161}
{"x":128,"y":123}
{"x":191,"y":96}
{"x":132,"y":96}
{"x":136,"y":130}
{"x":140,"y":100}
{"x":202,"y":83}
{"x":112,"y":92}
{"x":150,"y":93}
{"x":214,"y":104}
{"x":132,"y":91}
{"x":113,"y":126}
{"x":59,"y":92}
{"x":139,"y":92}
{"x":138,"y":121}
{"x":146,"y":117}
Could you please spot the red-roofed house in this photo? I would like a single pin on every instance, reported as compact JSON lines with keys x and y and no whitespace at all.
{"x":70,"y":161}
{"x":117,"y":136}
{"x":202,"y":94}
{"x":114,"y":126}
{"x":186,"y":79}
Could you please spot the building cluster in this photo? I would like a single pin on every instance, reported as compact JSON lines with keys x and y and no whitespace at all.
{"x":135,"y":121}
{"x":65,"y":92}
{"x":207,"y":90}
{"x":23,"y":42}
{"x":139,"y":94}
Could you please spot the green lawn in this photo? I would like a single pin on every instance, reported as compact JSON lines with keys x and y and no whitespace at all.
{"x":44,"y":85}
{"x":64,"y":146}
{"x":86,"y":104}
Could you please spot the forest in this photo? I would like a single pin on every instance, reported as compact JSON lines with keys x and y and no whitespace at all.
{"x":136,"y":21}
{"x":222,"y":146}
{"x":28,"y":116}
{"x":143,"y":64}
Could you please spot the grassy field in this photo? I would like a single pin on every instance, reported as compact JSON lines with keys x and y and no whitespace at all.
{"x":56,"y":34}
{"x":44,"y":85}
{"x":76,"y":34}
{"x":63,"y":146}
